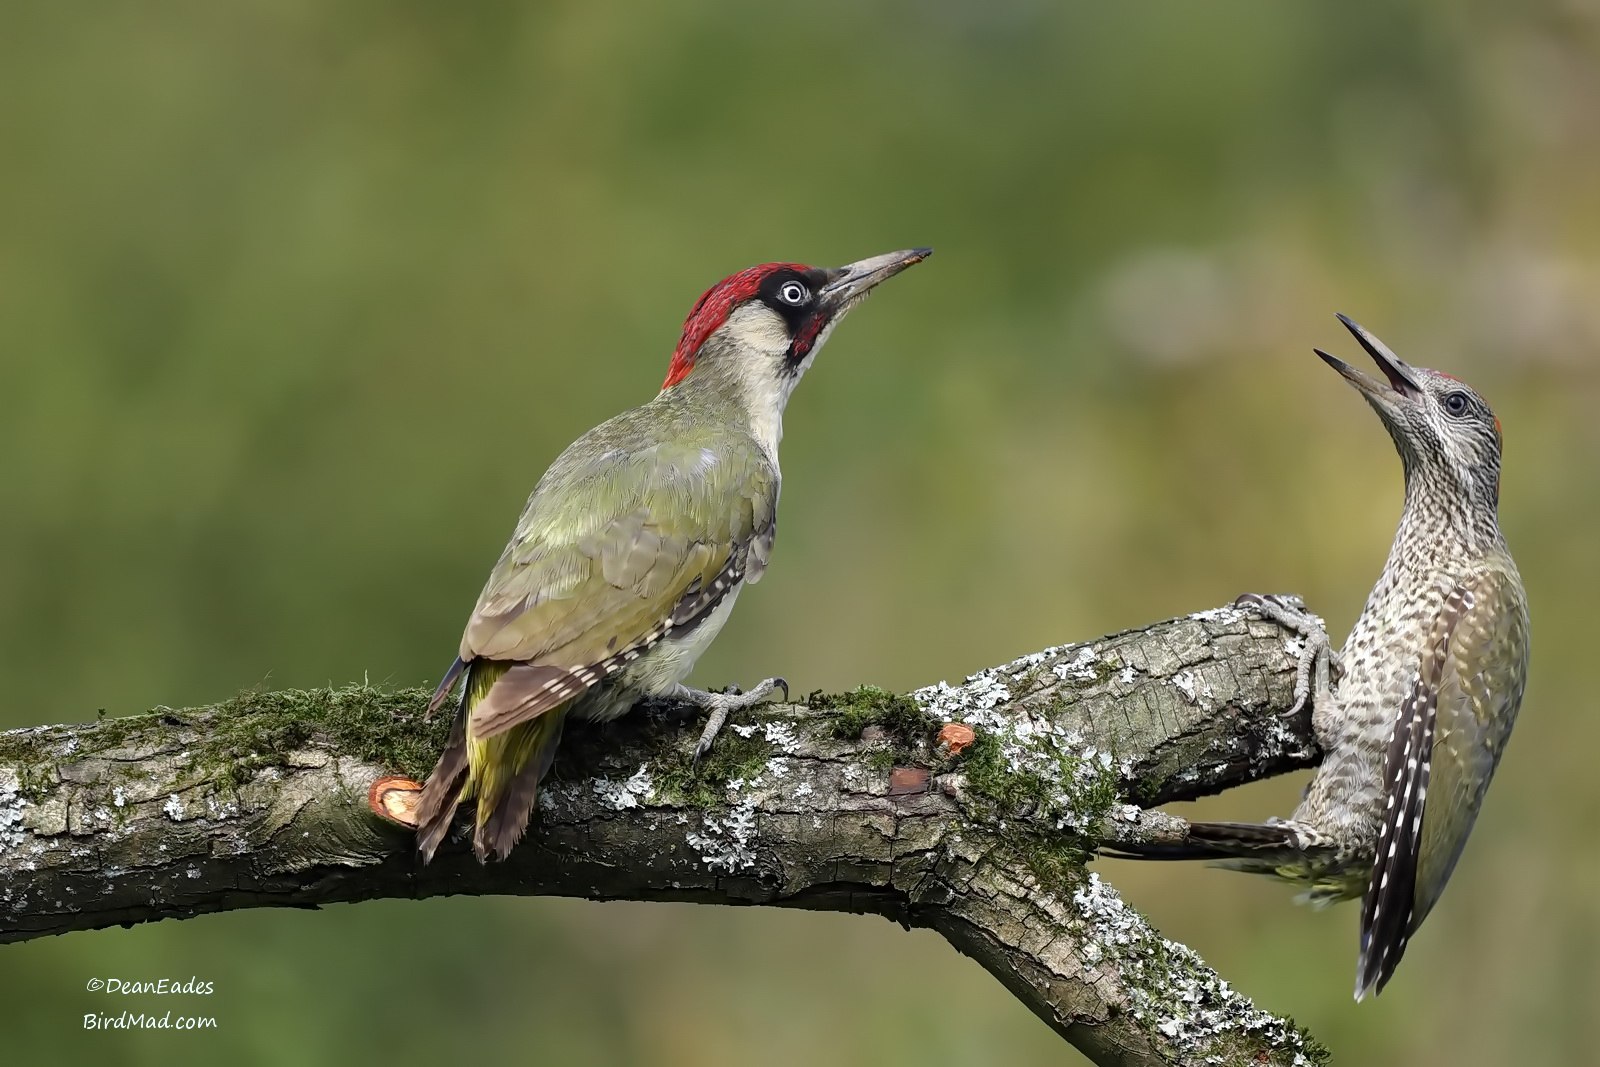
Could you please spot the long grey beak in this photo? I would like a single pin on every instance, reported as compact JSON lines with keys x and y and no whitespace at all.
{"x":1401,"y":380}
{"x":853,"y":281}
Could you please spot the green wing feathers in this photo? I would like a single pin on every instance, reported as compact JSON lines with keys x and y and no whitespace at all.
{"x":604,"y":556}
{"x":623,"y":540}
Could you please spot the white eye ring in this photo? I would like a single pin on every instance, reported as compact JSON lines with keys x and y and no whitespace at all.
{"x":792,"y":293}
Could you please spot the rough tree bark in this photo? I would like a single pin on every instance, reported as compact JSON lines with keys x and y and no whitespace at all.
{"x":862,"y":802}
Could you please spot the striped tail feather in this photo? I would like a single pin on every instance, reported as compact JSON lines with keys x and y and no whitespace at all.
{"x":437,"y":805}
{"x":501,"y":772}
{"x":1263,"y":842}
{"x":446,"y":685}
{"x":506,"y":772}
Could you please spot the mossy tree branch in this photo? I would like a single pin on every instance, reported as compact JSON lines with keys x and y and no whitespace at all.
{"x":866,"y":802}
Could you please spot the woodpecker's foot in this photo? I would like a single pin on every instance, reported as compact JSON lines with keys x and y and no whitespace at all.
{"x":1316,"y":653}
{"x":721,"y":705}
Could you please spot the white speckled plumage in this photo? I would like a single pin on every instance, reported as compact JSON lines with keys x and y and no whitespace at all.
{"x":1431,"y":678}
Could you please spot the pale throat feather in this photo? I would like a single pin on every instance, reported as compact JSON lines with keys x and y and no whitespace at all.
{"x":760,"y":374}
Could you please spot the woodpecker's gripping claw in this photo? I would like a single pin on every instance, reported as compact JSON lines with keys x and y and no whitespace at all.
{"x":1315,"y":654}
{"x":722,"y":705}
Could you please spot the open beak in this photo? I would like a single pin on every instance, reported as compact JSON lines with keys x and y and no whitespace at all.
{"x":1402,"y":383}
{"x":849,"y":284}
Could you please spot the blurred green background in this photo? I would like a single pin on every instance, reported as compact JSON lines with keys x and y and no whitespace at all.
{"x":297,"y":300}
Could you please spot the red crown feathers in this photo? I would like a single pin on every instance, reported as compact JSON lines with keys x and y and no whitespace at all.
{"x":713,"y":309}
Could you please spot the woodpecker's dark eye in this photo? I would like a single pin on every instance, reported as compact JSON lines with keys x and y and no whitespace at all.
{"x":793,"y":295}
{"x":1456,"y":403}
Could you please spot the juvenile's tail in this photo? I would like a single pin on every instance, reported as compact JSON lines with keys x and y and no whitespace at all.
{"x":1266,"y":843}
{"x":502,"y":772}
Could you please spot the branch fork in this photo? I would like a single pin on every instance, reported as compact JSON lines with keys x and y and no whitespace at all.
{"x":971,"y":809}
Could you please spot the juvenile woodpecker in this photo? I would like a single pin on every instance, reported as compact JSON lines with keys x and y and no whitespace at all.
{"x":1431,"y":678}
{"x":630,"y":553}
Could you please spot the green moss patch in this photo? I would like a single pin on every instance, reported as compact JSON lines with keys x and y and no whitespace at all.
{"x":382,"y":727}
{"x":1050,"y":813}
{"x":732,"y":757}
{"x":242,"y":736}
{"x":867,"y":705}
{"x":1079,"y":792}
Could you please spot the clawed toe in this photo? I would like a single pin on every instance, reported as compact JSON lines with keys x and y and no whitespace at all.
{"x":1280,"y":607}
{"x":1314,"y":657}
{"x":722,"y":705}
{"x":761,"y":692}
{"x":703,"y":746}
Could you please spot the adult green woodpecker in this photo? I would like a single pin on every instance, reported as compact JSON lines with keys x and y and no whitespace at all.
{"x":630,"y":553}
{"x":1431,"y":677}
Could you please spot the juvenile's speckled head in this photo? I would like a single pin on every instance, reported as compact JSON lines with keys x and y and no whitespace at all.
{"x":767,"y":323}
{"x":1444,"y":431}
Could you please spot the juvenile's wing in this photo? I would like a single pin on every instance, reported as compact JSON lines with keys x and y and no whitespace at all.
{"x":612,"y":554}
{"x":1447,"y":740}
